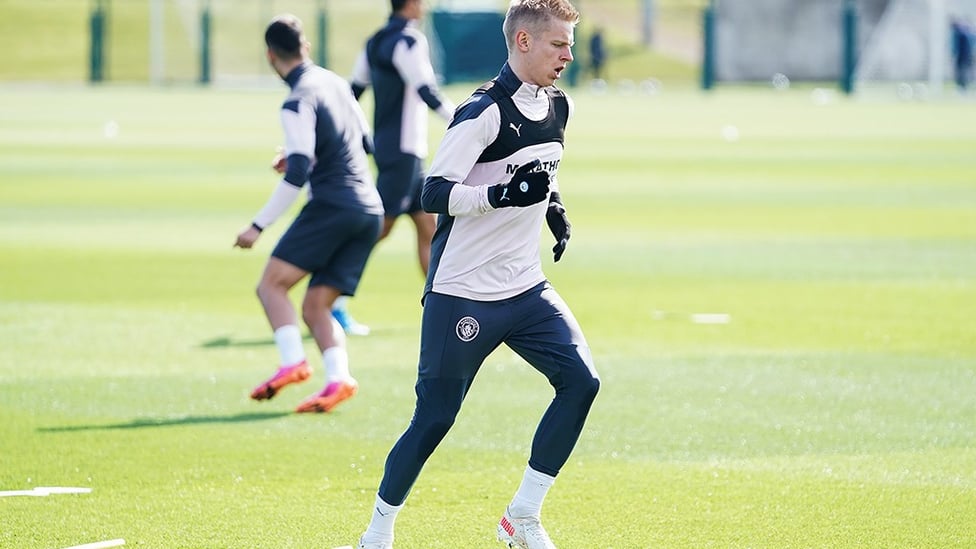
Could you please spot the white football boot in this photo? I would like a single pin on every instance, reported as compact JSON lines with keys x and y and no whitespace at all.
{"x":523,"y":533}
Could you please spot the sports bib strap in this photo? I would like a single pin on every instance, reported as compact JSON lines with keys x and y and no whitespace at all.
{"x":517,"y":132}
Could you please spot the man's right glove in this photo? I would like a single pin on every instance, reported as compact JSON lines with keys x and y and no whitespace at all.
{"x":526,"y":188}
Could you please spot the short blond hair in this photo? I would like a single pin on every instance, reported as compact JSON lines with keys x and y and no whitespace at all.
{"x":534,"y":15}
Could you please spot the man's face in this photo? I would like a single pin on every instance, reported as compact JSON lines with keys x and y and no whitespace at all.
{"x":549,"y":52}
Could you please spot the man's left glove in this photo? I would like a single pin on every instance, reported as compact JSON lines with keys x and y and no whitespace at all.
{"x":558,"y":224}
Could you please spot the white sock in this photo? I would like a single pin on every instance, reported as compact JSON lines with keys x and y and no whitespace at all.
{"x":336,"y":362}
{"x":340,"y":303}
{"x":288,"y":339}
{"x":528,"y":500}
{"x":381,"y":525}
{"x":338,"y":334}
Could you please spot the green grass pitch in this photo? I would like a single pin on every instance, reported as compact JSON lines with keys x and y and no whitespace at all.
{"x":834,"y":409}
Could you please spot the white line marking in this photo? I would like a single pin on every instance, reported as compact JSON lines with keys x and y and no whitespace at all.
{"x":711,"y":318}
{"x":8,"y":493}
{"x":45,"y":491}
{"x":99,"y":544}
{"x":63,"y":490}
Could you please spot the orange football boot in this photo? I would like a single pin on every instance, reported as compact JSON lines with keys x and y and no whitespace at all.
{"x":330,"y":397}
{"x":286,"y":375}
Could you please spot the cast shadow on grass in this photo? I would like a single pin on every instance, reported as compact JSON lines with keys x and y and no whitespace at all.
{"x":227,"y":341}
{"x":220,"y":342}
{"x":166,"y":422}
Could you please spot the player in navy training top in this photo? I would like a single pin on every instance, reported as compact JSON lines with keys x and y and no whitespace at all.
{"x":493,"y":182}
{"x":326,"y":141}
{"x":396,"y":62}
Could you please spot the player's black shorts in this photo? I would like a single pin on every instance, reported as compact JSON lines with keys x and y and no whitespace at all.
{"x":332,"y":244}
{"x":400,"y":181}
{"x":458,"y":334}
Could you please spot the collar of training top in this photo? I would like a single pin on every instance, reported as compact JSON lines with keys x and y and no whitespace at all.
{"x":396,"y":21}
{"x":511,"y":83}
{"x":292,"y":77}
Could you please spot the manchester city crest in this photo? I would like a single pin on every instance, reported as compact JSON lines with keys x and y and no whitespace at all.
{"x":467,"y":328}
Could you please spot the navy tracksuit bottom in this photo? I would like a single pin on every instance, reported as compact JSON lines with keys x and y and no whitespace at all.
{"x":457,"y":335}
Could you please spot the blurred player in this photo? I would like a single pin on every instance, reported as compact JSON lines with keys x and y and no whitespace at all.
{"x":332,"y":237}
{"x":598,"y":53}
{"x":340,"y":307}
{"x":490,"y":182}
{"x":396,"y":62}
{"x":963,"y":38}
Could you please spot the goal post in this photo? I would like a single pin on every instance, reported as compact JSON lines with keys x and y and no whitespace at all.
{"x":859,"y":45}
{"x":777,"y":41}
{"x":96,"y":50}
{"x":165,"y":42}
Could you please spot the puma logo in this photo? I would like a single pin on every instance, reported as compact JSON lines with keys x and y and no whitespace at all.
{"x":518,"y":129}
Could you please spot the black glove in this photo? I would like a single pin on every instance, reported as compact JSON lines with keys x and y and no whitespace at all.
{"x":558,"y":224}
{"x":524,"y":189}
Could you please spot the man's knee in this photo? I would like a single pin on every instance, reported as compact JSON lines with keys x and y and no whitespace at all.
{"x":431,"y":424}
{"x":438,"y":403}
{"x":267,"y":288}
{"x":588,"y":387}
{"x":581,"y":382}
